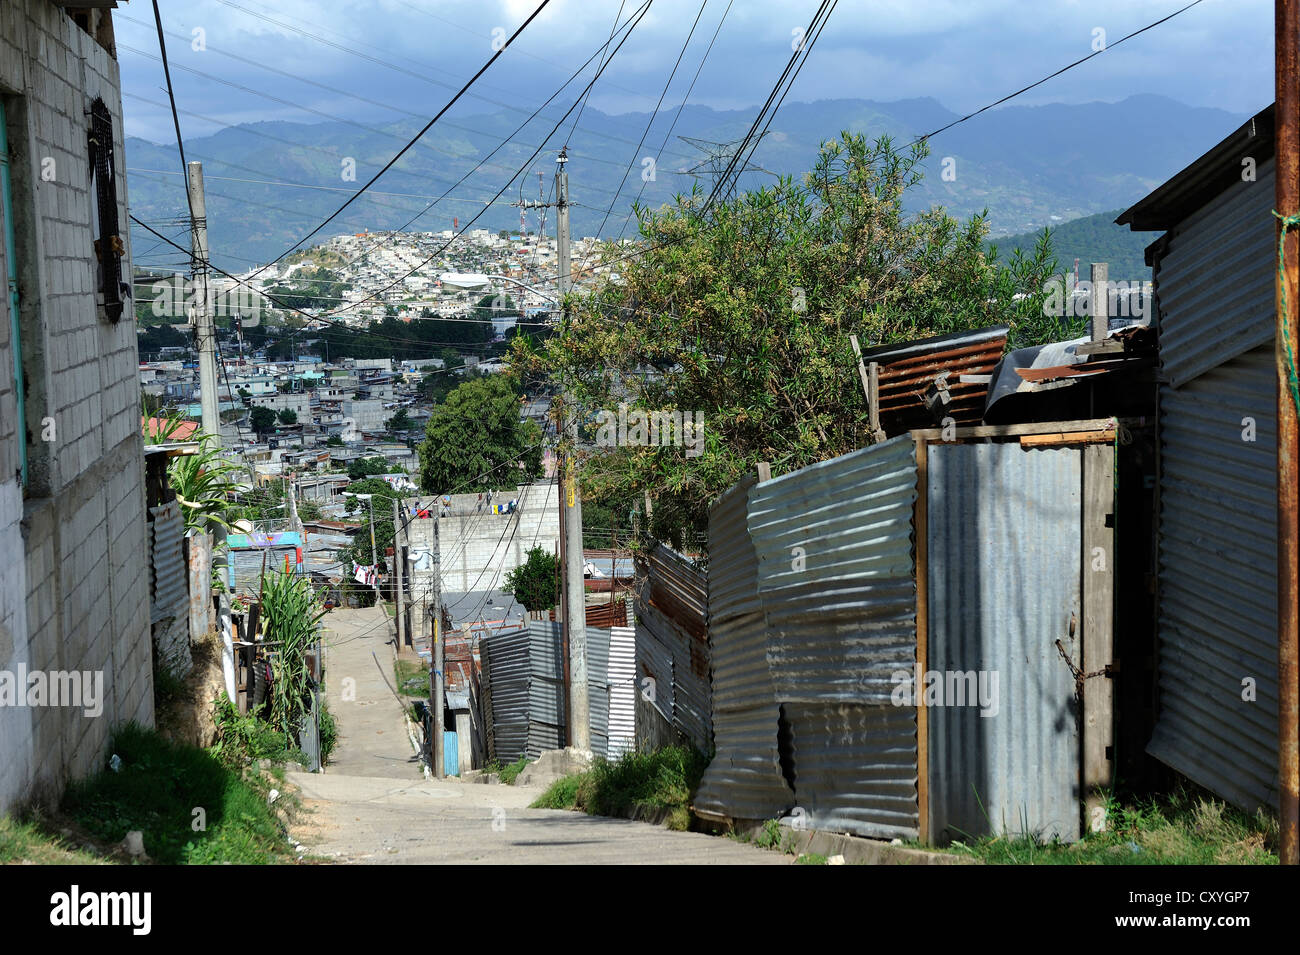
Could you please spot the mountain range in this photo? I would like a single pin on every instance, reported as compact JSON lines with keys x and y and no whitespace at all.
{"x":1029,"y":166}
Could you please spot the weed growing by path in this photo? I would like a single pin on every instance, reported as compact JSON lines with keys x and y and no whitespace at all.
{"x":158,"y":789}
{"x":1179,"y":829}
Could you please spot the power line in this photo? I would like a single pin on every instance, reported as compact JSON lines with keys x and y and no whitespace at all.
{"x":427,"y":126}
{"x":633,"y":24}
{"x":387,"y":63}
{"x":677,"y":115}
{"x":646,"y":132}
{"x":1067,"y":67}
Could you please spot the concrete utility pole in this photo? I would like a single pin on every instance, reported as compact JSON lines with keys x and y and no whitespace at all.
{"x":1286,"y":35}
{"x":399,"y":613}
{"x":438,"y":698}
{"x":575,"y":590}
{"x":204,"y":326}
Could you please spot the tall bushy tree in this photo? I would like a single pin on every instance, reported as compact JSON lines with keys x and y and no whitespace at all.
{"x":476,"y":441}
{"x":744,"y":314}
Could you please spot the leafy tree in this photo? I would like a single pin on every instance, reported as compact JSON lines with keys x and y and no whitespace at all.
{"x":287,"y":416}
{"x":535,"y":583}
{"x":262,"y":420}
{"x":361,"y":467}
{"x":398,"y":422}
{"x":742,"y":314}
{"x":381,"y":507}
{"x":309,"y":511}
{"x":475,"y":440}
{"x":334,"y":441}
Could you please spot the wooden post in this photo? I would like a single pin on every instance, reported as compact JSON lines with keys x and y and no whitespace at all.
{"x":922,"y":525}
{"x":871,"y":388}
{"x":1097,"y":637}
{"x":764,"y":471}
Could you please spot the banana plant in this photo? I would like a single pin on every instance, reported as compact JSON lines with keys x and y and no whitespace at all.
{"x":291,"y":615}
{"x":203,"y":480}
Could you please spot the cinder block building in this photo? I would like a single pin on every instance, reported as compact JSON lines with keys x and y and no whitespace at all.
{"x":74,"y":566}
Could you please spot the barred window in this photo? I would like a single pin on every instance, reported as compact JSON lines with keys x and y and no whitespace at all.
{"x":108,"y":242}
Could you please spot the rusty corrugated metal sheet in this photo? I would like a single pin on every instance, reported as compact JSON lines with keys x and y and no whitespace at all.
{"x":672,"y":639}
{"x":907,"y":370}
{"x":678,"y":587}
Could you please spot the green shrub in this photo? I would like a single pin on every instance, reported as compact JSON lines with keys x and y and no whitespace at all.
{"x":561,"y":794}
{"x":511,"y":772}
{"x":191,"y":807}
{"x":645,"y":783}
{"x":242,"y":739}
{"x":329,"y":733}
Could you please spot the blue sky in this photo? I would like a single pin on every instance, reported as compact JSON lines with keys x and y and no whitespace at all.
{"x":387,"y":60}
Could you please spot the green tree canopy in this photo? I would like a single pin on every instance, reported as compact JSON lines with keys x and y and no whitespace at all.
{"x":475,"y":440}
{"x":359,"y":468}
{"x":742,"y":315}
{"x":262,"y":420}
{"x":287,"y":416}
{"x":535,"y":583}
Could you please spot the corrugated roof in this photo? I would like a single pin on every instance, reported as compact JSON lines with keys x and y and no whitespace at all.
{"x":907,"y":371}
{"x":1205,"y":178}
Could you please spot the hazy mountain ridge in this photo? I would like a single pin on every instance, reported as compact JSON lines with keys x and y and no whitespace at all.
{"x":1025,"y":164}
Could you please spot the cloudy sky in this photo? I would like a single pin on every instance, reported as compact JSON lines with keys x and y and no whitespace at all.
{"x":384,"y":60}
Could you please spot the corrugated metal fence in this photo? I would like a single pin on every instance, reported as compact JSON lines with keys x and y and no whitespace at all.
{"x":523,"y":690}
{"x":817,"y":665}
{"x":672,"y":649}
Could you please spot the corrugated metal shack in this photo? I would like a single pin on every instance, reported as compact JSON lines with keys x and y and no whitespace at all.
{"x":523,"y":693}
{"x":896,"y":635}
{"x":1214,"y":274}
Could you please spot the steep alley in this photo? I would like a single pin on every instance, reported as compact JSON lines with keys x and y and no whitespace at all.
{"x":372,"y":804}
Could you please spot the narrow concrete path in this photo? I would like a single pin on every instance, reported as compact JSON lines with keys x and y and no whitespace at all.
{"x":373,"y":805}
{"x":359,"y":686}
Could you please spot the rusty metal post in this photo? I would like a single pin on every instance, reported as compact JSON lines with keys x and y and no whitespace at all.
{"x":1287,"y":200}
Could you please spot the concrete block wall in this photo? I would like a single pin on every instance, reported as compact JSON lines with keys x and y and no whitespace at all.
{"x":79,"y":561}
{"x":476,"y":552}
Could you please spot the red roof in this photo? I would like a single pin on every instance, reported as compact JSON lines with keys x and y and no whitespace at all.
{"x":154,"y":426}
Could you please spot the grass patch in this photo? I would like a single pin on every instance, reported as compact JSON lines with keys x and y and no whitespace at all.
{"x":1182,"y":828}
{"x":22,"y":842}
{"x":636,"y":785}
{"x":412,"y":677}
{"x":190,"y":804}
{"x":810,"y":858}
{"x":561,"y":794}
{"x":510,"y":773}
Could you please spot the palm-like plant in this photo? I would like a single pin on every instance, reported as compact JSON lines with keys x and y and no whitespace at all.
{"x":291,"y":612}
{"x":202,"y":481}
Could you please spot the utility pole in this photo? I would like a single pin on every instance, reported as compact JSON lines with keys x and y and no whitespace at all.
{"x":572,"y":610}
{"x":575,"y":590}
{"x":399,"y":613}
{"x":438,"y":699}
{"x":1286,"y":35}
{"x":206,"y":332}
{"x":204,"y":326}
